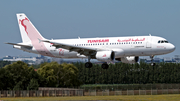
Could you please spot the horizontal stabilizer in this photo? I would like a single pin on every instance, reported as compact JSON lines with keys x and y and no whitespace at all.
{"x":19,"y":44}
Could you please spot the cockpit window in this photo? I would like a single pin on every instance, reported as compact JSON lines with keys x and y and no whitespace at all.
{"x":162,"y":41}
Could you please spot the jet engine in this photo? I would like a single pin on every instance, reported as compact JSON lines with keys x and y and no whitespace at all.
{"x":105,"y":56}
{"x":129,"y":59}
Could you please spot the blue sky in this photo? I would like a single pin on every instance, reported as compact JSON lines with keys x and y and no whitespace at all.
{"x":60,"y":19}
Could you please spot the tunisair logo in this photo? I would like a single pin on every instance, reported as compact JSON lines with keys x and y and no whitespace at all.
{"x":61,"y":52}
{"x":22,"y":23}
{"x":98,"y":41}
{"x":104,"y":55}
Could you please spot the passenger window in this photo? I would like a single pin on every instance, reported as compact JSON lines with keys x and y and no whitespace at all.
{"x":158,"y":41}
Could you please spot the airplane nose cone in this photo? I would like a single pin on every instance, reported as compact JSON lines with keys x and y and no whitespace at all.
{"x":172,"y":47}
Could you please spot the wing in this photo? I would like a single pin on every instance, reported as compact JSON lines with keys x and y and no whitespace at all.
{"x":19,"y":44}
{"x":81,"y":50}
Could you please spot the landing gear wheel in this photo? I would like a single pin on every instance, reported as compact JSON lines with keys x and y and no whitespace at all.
{"x":88,"y":64}
{"x":153,"y":64}
{"x":105,"y":66}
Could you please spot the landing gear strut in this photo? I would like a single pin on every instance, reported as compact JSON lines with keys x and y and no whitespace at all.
{"x":152,"y":63}
{"x":88,"y":64}
{"x":105,"y":65}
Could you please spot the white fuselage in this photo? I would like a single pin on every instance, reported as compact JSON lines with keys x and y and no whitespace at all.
{"x":122,"y":46}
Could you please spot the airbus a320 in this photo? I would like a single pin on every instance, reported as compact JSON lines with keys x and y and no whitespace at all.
{"x":105,"y":49}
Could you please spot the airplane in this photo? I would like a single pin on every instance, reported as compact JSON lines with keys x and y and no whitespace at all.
{"x":106,"y":49}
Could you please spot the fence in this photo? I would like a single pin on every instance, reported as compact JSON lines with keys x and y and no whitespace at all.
{"x":130,"y":89}
{"x":107,"y":92}
{"x":41,"y":93}
{"x":110,"y":90}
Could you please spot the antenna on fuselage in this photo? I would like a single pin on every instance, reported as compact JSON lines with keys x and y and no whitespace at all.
{"x":149,"y":34}
{"x":78,"y":37}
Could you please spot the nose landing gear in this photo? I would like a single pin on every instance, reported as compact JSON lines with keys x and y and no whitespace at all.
{"x":152,"y":63}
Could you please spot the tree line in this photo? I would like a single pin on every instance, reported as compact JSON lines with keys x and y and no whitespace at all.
{"x":121,"y":73}
{"x":20,"y":76}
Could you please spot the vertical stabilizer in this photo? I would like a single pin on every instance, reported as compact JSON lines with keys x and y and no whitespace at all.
{"x":31,"y":35}
{"x":27,"y":29}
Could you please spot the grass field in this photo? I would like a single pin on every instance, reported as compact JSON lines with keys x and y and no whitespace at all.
{"x":172,"y":97}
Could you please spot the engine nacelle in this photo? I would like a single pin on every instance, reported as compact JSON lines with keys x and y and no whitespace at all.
{"x":130,"y":60}
{"x":105,"y":56}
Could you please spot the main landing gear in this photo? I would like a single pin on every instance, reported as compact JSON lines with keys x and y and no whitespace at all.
{"x":152,"y":63}
{"x":89,"y":64}
{"x":105,"y":65}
